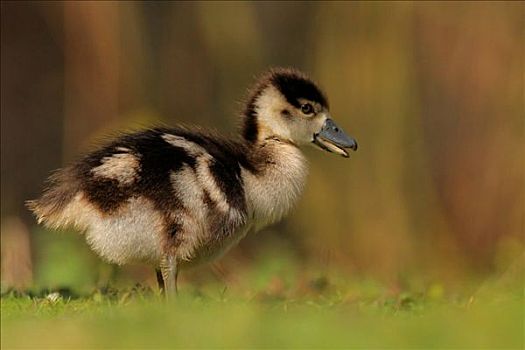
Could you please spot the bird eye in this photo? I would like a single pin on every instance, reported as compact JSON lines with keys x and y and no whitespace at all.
{"x":307,"y":108}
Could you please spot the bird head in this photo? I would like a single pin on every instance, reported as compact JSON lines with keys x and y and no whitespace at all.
{"x":287,"y":105}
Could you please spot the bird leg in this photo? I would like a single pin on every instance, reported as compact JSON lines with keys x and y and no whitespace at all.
{"x":169,"y":273}
{"x":160,"y":281}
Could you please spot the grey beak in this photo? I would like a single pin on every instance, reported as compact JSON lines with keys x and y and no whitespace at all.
{"x":331,"y":135}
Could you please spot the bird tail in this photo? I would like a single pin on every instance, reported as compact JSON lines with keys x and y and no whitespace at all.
{"x":61,"y":188}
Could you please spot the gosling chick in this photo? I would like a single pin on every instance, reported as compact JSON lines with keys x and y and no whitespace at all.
{"x":176,"y":197}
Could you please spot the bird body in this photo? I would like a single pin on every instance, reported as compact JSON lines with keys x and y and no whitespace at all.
{"x":174,"y":197}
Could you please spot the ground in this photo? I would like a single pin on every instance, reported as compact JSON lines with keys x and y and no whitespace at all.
{"x":324,"y":315}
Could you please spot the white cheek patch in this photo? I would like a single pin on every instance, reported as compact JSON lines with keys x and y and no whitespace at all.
{"x":298,"y":129}
{"x":122,"y":167}
{"x":303,"y":130}
{"x":269,"y":107}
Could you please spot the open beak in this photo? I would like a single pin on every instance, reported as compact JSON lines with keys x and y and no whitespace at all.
{"x":333,"y":139}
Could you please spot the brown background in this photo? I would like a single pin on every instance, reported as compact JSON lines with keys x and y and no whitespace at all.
{"x":432,"y":91}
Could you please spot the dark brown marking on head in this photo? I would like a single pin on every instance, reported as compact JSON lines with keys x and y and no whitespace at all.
{"x":290,"y":82}
{"x":295,"y":85}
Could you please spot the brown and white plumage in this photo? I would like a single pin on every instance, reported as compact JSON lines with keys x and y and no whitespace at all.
{"x":172,"y":197}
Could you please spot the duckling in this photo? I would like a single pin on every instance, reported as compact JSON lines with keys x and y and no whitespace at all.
{"x":177,"y":197}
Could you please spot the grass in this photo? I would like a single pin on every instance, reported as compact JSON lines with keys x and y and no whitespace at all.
{"x":337,"y":317}
{"x":275,"y":303}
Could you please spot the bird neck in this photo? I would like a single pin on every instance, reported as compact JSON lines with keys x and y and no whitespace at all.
{"x":258,"y":129}
{"x":275,"y":187}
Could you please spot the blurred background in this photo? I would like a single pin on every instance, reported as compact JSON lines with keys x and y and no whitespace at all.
{"x":433,"y":92}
